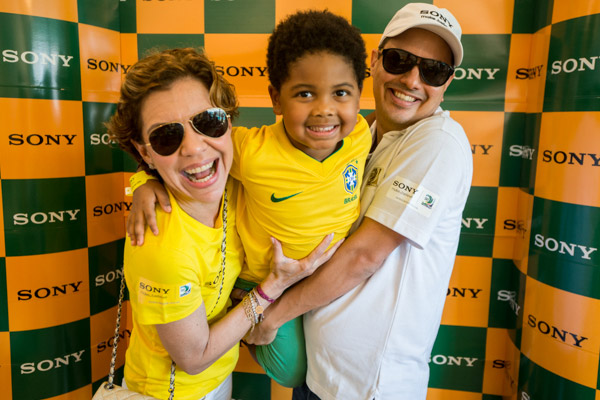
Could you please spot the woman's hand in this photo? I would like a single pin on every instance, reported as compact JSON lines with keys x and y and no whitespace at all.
{"x":142,"y":210}
{"x":287,"y":271}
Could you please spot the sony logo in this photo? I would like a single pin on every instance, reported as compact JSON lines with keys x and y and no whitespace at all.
{"x":571,"y":65}
{"x":529,"y":73}
{"x":152,"y":289}
{"x":501,"y":364}
{"x":103,"y":345}
{"x":525,"y":396}
{"x":555,"y":332}
{"x":43,"y":292}
{"x":443,"y":20}
{"x":233,"y":70}
{"x":466,"y":222}
{"x":511,"y":225}
{"x":405,"y":187}
{"x":462,"y":292}
{"x":475,"y":73}
{"x":104,"y":65}
{"x":31,"y":57}
{"x":96,"y":139}
{"x":511,"y":297}
{"x":571,"y":249}
{"x":561,"y":157}
{"x":17,"y":139}
{"x":39,"y":218}
{"x":524,"y":151}
{"x":110,"y":276}
{"x":484,"y":148}
{"x":47,"y":365}
{"x":111,"y":208}
{"x":440,"y":359}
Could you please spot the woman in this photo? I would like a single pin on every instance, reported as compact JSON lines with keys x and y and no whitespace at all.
{"x":174,"y":119}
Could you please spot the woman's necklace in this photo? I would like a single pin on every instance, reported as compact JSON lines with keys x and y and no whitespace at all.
{"x":223,"y":251}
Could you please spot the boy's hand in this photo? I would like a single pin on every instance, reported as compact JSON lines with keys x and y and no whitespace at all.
{"x":261,"y":335}
{"x":142,"y":210}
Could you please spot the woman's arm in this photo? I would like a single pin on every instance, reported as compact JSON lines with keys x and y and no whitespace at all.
{"x":194,"y":345}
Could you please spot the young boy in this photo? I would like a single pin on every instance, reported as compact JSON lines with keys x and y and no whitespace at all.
{"x":301,"y":176}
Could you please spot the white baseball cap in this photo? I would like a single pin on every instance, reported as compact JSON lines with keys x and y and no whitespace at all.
{"x":427,"y":16}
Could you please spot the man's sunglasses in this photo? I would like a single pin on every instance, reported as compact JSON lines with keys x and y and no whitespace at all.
{"x":433,"y":72}
{"x":166,"y":138}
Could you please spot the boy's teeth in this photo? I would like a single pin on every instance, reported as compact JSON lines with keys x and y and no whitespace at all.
{"x":404,"y":97}
{"x":321,"y":128}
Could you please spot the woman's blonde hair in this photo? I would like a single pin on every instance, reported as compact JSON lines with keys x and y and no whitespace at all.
{"x":157,"y":72}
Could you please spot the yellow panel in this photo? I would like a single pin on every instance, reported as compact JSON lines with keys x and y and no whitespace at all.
{"x":65,"y":10}
{"x":481,"y":17}
{"x":566,"y":168}
{"x":170,"y":16}
{"x":561,"y":332}
{"x":484,"y":130}
{"x":283,"y":8}
{"x":468,"y":296}
{"x":564,"y":10}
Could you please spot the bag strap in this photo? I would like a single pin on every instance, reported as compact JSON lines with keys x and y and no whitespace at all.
{"x":113,"y":359}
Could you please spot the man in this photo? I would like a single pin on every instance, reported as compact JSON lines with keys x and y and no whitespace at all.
{"x":377,"y":304}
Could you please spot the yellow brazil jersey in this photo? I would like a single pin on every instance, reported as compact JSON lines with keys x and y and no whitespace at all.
{"x":168,"y":278}
{"x":291,"y":196}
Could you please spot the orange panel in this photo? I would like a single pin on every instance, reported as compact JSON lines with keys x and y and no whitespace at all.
{"x":170,"y":16}
{"x":65,"y":10}
{"x":481,"y":17}
{"x":283,"y":8}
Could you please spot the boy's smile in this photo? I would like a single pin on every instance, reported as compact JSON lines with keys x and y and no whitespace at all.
{"x":319,"y":103}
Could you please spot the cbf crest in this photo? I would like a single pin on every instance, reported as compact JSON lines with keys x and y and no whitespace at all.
{"x":350,"y":178}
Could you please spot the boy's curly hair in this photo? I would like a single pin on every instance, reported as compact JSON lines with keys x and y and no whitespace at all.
{"x":157,"y":72}
{"x":309,"y":32}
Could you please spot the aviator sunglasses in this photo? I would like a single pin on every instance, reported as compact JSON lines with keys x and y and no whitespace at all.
{"x":433,"y":72}
{"x":166,"y":138}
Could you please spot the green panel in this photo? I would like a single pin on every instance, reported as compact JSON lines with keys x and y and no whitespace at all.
{"x":101,"y":155}
{"x":42,"y":60}
{"x":530,"y":16}
{"x":44,"y":215}
{"x":251,"y":386}
{"x":102,"y":13}
{"x":240,"y":16}
{"x":539,"y":383}
{"x":458,"y":358}
{"x":520,"y":147}
{"x":105,"y":263}
{"x":150,"y":43}
{"x":478,"y":222}
{"x":52,"y":361}
{"x":372,"y":16}
{"x":3,"y":297}
{"x":563,"y":251}
{"x":491,"y":397}
{"x":507,"y":298}
{"x":255,"y":116}
{"x":572,"y":81}
{"x":127,"y":14}
{"x":479,"y":83}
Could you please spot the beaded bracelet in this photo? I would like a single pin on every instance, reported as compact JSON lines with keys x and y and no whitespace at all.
{"x":256,"y":307}
{"x":263,"y":295}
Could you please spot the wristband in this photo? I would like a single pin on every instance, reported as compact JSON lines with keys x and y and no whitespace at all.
{"x":263,"y":295}
{"x":138,"y":179}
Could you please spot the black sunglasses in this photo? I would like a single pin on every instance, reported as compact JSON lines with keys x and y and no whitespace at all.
{"x":166,"y":138}
{"x":433,"y":72}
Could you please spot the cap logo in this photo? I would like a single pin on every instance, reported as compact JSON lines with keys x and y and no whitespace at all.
{"x":436,"y":16}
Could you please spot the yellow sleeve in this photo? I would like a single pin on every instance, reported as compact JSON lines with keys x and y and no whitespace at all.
{"x":138,"y":179}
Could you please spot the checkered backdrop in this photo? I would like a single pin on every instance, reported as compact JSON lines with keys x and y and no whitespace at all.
{"x":521,"y":317}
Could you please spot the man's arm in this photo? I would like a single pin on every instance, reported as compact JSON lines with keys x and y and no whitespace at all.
{"x":359,"y":257}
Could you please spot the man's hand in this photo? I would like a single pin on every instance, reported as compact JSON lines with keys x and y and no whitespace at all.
{"x":261,"y":335}
{"x":142,"y":210}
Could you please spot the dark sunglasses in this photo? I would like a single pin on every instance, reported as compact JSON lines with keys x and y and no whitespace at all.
{"x":166,"y":138}
{"x":433,"y":72}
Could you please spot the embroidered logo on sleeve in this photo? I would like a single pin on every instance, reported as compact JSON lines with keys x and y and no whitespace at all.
{"x":185,"y":289}
{"x":156,"y":293}
{"x":419,"y":198}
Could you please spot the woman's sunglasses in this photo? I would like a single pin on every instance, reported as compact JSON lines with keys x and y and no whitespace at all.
{"x":433,"y":72}
{"x":166,"y":138}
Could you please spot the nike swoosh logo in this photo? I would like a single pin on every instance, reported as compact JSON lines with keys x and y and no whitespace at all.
{"x":278,"y":199}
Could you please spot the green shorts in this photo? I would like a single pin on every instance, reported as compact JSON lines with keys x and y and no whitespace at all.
{"x":284,"y":359}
